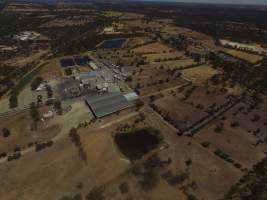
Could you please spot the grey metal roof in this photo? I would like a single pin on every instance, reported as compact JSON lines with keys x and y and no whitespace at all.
{"x":105,"y":104}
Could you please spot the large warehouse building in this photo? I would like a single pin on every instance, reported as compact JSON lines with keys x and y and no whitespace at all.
{"x":108,"y":103}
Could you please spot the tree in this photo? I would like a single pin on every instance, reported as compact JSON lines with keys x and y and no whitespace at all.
{"x":75,"y":137}
{"x":57,"y":106}
{"x":34,"y":113}
{"x":39,"y":99}
{"x":49,"y":92}
{"x":36,"y":82}
{"x":13,"y":100}
{"x":219,"y":128}
{"x":6,"y":132}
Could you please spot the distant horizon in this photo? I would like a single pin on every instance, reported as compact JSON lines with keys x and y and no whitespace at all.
{"x":231,"y":2}
{"x":213,"y":2}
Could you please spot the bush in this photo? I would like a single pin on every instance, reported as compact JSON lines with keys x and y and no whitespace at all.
{"x":77,"y":197}
{"x":3,"y":155}
{"x":188,"y":162}
{"x":68,"y":71}
{"x":191,"y":197}
{"x":6,"y":132}
{"x":235,"y":124}
{"x":14,"y":157}
{"x":205,"y":144}
{"x":178,"y":179}
{"x":150,"y":180}
{"x":124,"y":188}
{"x":136,"y":170}
{"x":96,"y":194}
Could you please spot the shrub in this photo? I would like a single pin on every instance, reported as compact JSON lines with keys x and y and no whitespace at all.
{"x":124,"y":188}
{"x":96,"y":194}
{"x":235,"y":124}
{"x":219,"y":128}
{"x":57,"y":106}
{"x":205,"y":144}
{"x":191,"y":197}
{"x":188,"y":162}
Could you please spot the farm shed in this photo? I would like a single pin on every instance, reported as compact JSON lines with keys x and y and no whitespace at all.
{"x":108,"y":103}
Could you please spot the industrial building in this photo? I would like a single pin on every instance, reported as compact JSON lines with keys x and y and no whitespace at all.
{"x":108,"y":103}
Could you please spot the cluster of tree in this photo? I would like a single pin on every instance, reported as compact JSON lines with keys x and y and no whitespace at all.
{"x":252,"y":185}
{"x":44,"y":145}
{"x":220,"y":153}
{"x":13,"y":100}
{"x":76,"y":139}
{"x":15,"y":156}
{"x":71,"y":40}
{"x":3,"y":155}
{"x":218,"y":24}
{"x":173,"y":179}
{"x":241,"y":72}
{"x":34,"y":114}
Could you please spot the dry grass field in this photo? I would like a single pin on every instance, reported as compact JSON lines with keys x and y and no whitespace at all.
{"x":203,"y":178}
{"x":152,"y":49}
{"x":65,"y":175}
{"x":137,"y":41}
{"x":171,"y":65}
{"x":180,"y":113}
{"x":52,"y":69}
{"x":21,"y":133}
{"x":200,"y":75}
{"x":243,"y":55}
{"x":163,"y":57}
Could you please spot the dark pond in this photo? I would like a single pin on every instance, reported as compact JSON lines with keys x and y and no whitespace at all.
{"x":135,"y":144}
